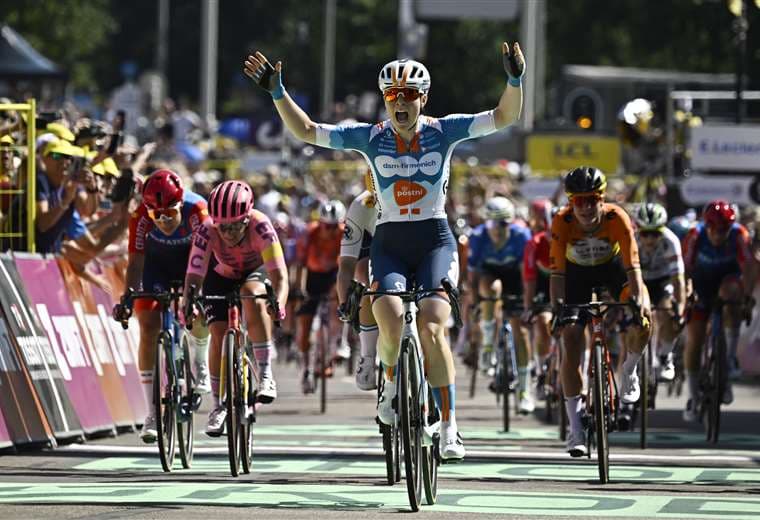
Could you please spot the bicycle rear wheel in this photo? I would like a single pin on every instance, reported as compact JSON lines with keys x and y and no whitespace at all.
{"x":185,"y":424}
{"x":474,"y":353}
{"x":718,"y":377}
{"x":323,"y":363}
{"x":163,"y":403}
{"x":644,"y":398}
{"x":429,"y":458}
{"x":600,"y":422}
{"x":503,"y":379}
{"x":410,"y":423}
{"x":231,"y":395}
{"x":247,"y":415}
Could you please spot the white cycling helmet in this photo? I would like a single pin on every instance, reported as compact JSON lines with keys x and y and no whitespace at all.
{"x":404,"y":73}
{"x":651,"y":217}
{"x":500,"y":208}
{"x":332,"y":212}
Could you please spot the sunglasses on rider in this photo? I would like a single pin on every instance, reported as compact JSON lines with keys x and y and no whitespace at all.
{"x":165,"y":214}
{"x":581,"y":201}
{"x":233,"y":228}
{"x":503,"y":224}
{"x":649,"y":234}
{"x":392,"y":94}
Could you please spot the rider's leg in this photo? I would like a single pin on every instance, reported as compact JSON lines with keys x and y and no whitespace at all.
{"x":542,"y":331}
{"x":259,"y":328}
{"x":488,"y":287}
{"x":149,"y":319}
{"x":217,"y":330}
{"x":198,"y":338}
{"x":730,"y":290}
{"x":368,"y":327}
{"x":574,"y":341}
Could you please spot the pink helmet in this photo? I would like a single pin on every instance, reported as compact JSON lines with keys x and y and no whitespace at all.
{"x":230,"y":202}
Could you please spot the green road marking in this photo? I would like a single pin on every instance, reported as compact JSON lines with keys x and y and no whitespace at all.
{"x":560,"y":472}
{"x":343,"y":497}
{"x":371,"y":444}
{"x":492,"y":433}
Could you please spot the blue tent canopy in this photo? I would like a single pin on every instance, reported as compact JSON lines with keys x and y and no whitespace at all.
{"x":18,"y":59}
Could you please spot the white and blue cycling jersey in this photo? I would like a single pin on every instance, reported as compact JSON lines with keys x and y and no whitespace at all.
{"x":484,"y":254}
{"x":411,"y":180}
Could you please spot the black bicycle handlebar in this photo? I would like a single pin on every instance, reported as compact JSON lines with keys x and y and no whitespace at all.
{"x":234,"y":298}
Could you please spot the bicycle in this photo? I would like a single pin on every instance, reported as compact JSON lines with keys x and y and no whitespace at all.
{"x":600,"y":415}
{"x":238,"y":377}
{"x":415,"y":418}
{"x":174,"y":398}
{"x":713,"y":373}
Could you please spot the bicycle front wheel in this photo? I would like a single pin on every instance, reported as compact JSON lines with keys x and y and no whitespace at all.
{"x":503,"y":378}
{"x":718,"y":376}
{"x":644,"y":398}
{"x":185,"y":417}
{"x":247,"y":415}
{"x":323,"y":364}
{"x":163,"y":402}
{"x":231,"y":395}
{"x":429,"y":458}
{"x":411,"y":435}
{"x":600,"y":417}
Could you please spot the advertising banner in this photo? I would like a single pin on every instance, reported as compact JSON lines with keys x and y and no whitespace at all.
{"x":22,"y":412}
{"x":37,"y":353}
{"x":697,"y":190}
{"x":122,"y":353}
{"x":5,"y":438}
{"x":558,"y":153}
{"x":96,"y":340}
{"x":725,"y":147}
{"x":45,"y":287}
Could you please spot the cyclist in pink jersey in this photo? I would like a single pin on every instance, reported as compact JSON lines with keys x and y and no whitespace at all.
{"x":245,"y":250}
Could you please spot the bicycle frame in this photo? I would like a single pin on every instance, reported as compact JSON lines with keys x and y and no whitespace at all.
{"x":597,"y":336}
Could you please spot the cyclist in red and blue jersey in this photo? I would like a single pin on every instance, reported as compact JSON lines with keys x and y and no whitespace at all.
{"x":408,"y":155}
{"x":536,"y":273}
{"x":160,"y":236}
{"x":718,"y":260}
{"x":495,"y":266}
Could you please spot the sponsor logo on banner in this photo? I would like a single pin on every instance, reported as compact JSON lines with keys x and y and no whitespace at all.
{"x":554,"y":154}
{"x":700,"y":189}
{"x":725,"y":147}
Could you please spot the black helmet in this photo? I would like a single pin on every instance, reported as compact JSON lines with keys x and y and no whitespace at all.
{"x":585,"y":179}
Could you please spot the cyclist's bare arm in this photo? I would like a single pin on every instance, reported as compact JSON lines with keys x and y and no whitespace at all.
{"x":529,"y":292}
{"x":556,"y":287}
{"x":510,"y":104}
{"x":192,"y":279}
{"x":135,"y":267}
{"x":679,"y":292}
{"x":346,"y":269}
{"x":279,"y":278}
{"x":294,"y":118}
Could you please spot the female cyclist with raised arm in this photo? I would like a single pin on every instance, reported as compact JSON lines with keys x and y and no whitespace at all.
{"x":409,"y":157}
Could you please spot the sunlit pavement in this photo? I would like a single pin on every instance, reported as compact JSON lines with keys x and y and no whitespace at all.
{"x":312,"y":465}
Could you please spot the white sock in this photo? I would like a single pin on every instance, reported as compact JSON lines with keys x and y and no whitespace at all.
{"x":573,"y":407}
{"x":631,"y":360}
{"x":488,"y":327}
{"x":368,"y":340}
{"x":523,"y":378}
{"x":692,"y":381}
{"x":146,"y":379}
{"x":666,"y":347}
{"x":263,"y":353}
{"x":200,"y":348}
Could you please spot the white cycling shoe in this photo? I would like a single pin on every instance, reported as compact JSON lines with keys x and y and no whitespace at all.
{"x":366,"y":376}
{"x":385,"y":410}
{"x":267,"y":390}
{"x":631,"y":391}
{"x":148,"y":433}
{"x":527,"y":406}
{"x":667,"y":368}
{"x":690,"y":412}
{"x":215,"y":424}
{"x":576,"y":443}
{"x":451,"y":444}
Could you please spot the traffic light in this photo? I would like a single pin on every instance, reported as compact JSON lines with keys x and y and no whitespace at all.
{"x":583,"y":112}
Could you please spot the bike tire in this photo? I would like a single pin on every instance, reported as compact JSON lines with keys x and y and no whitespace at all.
{"x":475,"y":359}
{"x":390,"y":439}
{"x":644,"y":398}
{"x":410,"y":433}
{"x":600,"y":421}
{"x":324,"y":334}
{"x":505,"y":363}
{"x":231,"y":423}
{"x":429,"y":458}
{"x":247,"y":415}
{"x":185,"y":433}
{"x":719,"y":376}
{"x":562,"y":417}
{"x":163,"y":404}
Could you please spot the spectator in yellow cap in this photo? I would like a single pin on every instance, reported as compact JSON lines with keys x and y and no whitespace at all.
{"x":60,"y":131}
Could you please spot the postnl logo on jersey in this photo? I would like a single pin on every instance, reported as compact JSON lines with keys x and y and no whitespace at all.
{"x":405,"y":192}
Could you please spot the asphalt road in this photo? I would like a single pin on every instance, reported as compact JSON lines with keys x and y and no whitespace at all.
{"x":309,"y":465}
